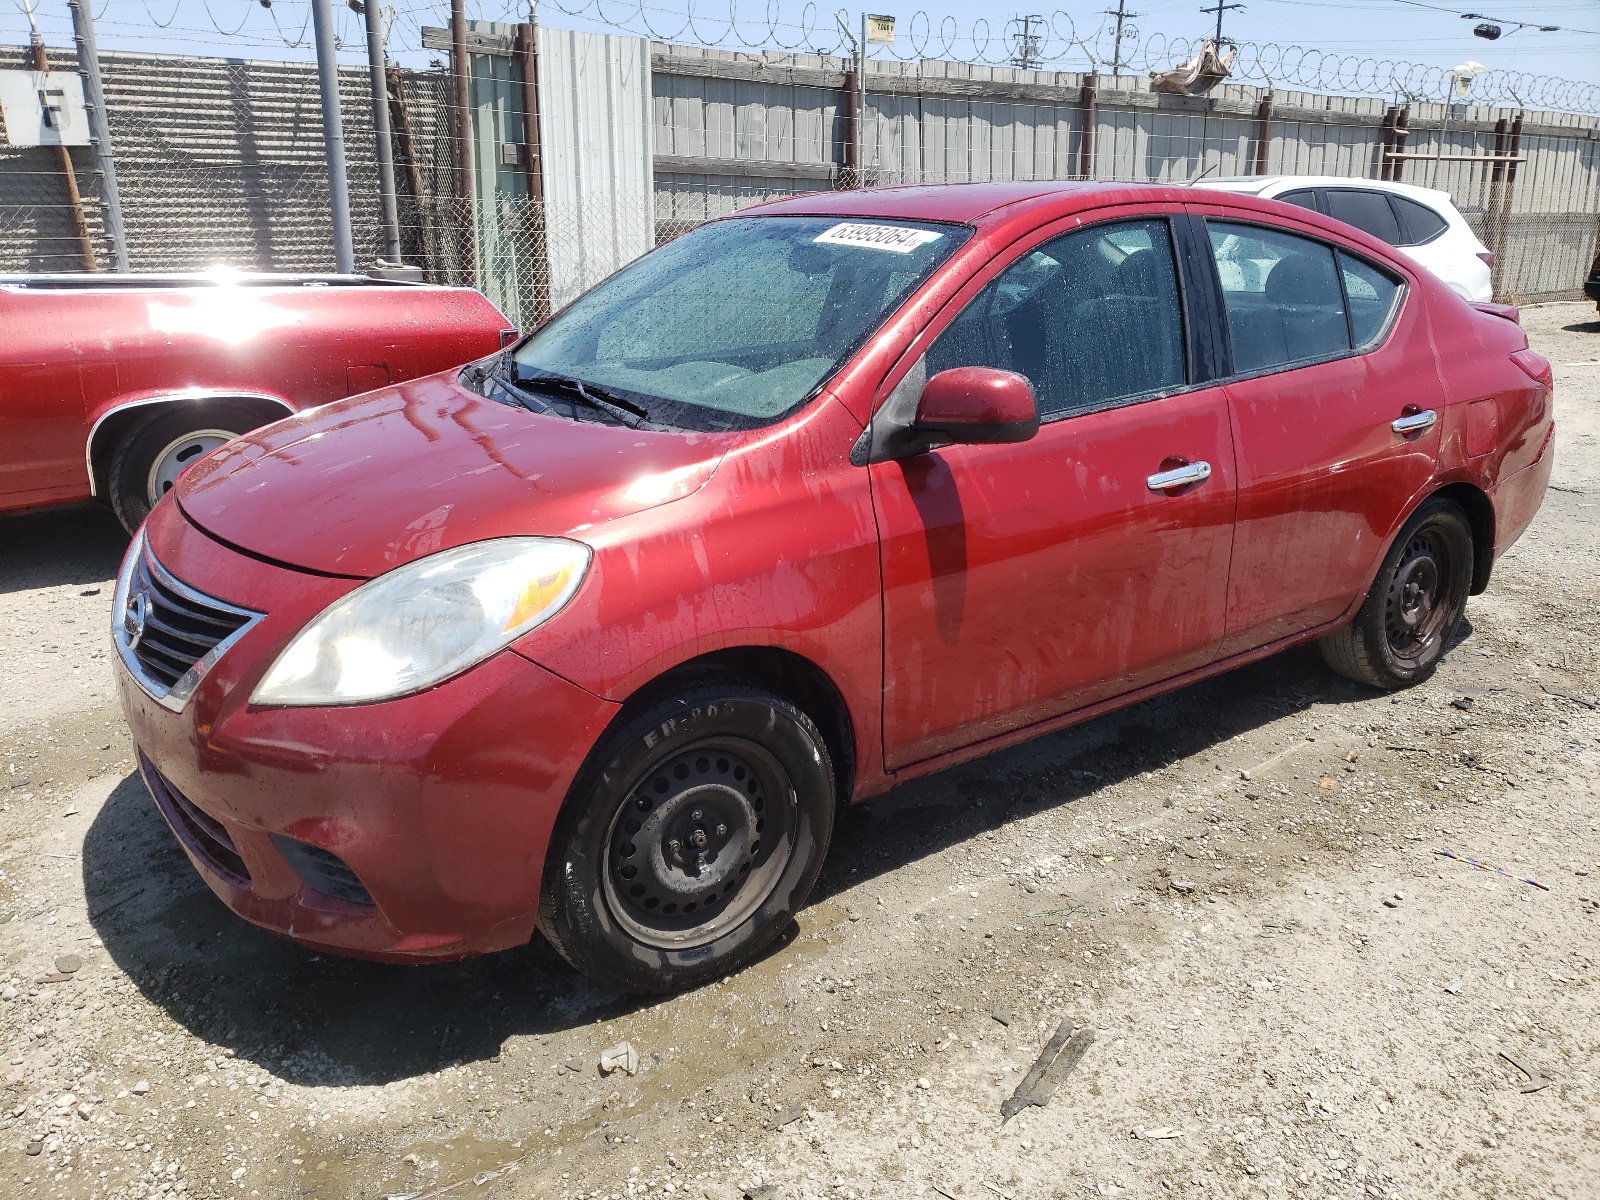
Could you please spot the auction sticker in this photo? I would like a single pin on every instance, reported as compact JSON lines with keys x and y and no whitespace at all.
{"x":897,"y":239}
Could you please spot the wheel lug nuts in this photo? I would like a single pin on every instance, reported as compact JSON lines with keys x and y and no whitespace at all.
{"x":695,"y":815}
{"x":722,"y":831}
{"x":675,"y":846}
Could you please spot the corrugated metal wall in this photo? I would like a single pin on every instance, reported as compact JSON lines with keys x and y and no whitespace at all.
{"x":218,"y":161}
{"x":595,"y":129}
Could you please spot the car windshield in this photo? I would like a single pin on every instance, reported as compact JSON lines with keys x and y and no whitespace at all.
{"x":736,"y":323}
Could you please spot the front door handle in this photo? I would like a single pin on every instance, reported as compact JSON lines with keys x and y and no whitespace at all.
{"x":1414,"y":422}
{"x":1178,"y":477}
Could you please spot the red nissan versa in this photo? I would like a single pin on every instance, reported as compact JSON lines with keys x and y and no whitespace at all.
{"x":595,"y":635}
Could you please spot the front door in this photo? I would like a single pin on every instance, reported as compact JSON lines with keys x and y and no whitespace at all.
{"x":1335,"y":406}
{"x":1025,"y":581}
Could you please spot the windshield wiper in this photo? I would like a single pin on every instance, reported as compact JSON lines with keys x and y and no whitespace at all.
{"x":596,"y":397}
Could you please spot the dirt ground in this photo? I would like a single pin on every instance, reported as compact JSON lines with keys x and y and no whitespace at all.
{"x":1237,"y":887}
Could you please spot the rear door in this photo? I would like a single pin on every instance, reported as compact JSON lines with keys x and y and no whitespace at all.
{"x":1334,"y":398}
{"x":1025,"y":581}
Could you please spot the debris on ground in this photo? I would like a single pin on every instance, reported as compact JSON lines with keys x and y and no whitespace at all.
{"x":1060,"y":1055}
{"x":621,"y":1057}
{"x":789,"y":1116}
{"x":1536,"y":1082}
{"x":1003,"y":1015}
{"x":1394,"y":900}
{"x":69,"y":964}
{"x":1493,"y":870}
{"x":1562,"y":693}
{"x":1161,"y":1134}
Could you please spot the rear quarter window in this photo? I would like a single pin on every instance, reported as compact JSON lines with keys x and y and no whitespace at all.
{"x":1418,"y":222}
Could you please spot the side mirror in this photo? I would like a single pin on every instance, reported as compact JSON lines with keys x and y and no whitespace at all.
{"x":977,"y":406}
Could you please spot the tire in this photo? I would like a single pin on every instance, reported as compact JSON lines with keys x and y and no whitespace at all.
{"x":1411,"y":615}
{"x":152,"y":454}
{"x":723,"y":770}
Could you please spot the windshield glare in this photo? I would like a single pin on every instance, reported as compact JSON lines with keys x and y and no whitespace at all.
{"x":740,"y":321}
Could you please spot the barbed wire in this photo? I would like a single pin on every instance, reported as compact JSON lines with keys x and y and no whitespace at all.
{"x":1053,"y":42}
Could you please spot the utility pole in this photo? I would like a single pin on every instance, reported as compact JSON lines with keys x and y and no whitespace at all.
{"x":89,"y":63}
{"x":41,"y":64}
{"x":344,"y":252}
{"x":1028,"y":50}
{"x":1219,"y":8}
{"x":388,"y":202}
{"x":1122,"y":14}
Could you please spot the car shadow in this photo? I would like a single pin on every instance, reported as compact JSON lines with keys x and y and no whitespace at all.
{"x":60,"y":546}
{"x":319,"y":1019}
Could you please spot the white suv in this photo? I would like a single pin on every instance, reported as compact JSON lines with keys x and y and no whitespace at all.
{"x":1419,"y":222}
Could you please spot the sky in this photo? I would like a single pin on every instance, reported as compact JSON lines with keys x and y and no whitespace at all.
{"x":1432,"y":33}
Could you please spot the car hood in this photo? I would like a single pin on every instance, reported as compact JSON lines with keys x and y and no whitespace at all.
{"x":364,"y":485}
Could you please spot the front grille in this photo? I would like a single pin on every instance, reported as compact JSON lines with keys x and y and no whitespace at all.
{"x":202,"y":833}
{"x":181,"y":626}
{"x":322,"y":870}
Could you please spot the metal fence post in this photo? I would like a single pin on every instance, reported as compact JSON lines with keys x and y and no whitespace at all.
{"x":89,"y":63}
{"x":344,"y":252}
{"x":387,"y":201}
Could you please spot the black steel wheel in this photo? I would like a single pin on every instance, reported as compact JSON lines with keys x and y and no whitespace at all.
{"x":1416,"y":604}
{"x":693,"y":834}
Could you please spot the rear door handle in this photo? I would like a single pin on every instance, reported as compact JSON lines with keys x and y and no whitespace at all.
{"x":1179,"y":477}
{"x":1414,"y":422}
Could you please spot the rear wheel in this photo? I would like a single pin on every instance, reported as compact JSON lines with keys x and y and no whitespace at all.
{"x":156,"y":451}
{"x":1416,"y":604}
{"x":690,"y":839}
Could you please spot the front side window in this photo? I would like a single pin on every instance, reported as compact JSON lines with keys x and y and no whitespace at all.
{"x":734,"y":324}
{"x":1090,"y":318}
{"x":1282,"y":296}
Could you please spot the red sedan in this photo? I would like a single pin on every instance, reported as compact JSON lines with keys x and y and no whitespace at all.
{"x":596,"y":635}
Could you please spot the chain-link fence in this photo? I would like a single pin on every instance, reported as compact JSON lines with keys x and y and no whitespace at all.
{"x":221,"y":161}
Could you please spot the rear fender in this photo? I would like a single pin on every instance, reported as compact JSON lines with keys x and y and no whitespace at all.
{"x":112,"y":420}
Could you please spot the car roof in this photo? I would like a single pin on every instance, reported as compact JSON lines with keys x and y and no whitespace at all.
{"x":967,"y":203}
{"x":1254,"y":185}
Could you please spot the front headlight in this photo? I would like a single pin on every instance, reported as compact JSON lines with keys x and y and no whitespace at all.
{"x":424,"y":622}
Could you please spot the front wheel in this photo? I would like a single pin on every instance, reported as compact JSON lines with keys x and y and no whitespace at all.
{"x":1416,"y":604}
{"x":690,"y":839}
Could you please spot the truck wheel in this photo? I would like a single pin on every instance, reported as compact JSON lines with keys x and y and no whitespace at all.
{"x":1416,"y":604}
{"x":689,"y":840}
{"x":155,"y":452}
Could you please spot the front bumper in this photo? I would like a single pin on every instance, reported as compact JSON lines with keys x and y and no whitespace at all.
{"x":439,"y":806}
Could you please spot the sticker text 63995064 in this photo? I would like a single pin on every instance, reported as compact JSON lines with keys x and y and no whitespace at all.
{"x":897,"y":239}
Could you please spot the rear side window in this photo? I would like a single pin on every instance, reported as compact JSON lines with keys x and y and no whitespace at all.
{"x":1418,"y":222}
{"x":1305,"y":198}
{"x":1281,"y":294}
{"x":1367,"y":211}
{"x":1371,"y":294}
{"x":1089,"y":318}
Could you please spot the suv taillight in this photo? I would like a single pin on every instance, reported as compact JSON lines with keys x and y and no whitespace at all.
{"x":1536,"y":367}
{"x":1488,"y":258}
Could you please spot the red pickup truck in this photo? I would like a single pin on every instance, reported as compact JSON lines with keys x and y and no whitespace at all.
{"x":110,"y":385}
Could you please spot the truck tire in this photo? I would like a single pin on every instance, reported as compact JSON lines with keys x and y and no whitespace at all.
{"x":157,"y":450}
